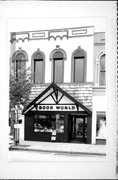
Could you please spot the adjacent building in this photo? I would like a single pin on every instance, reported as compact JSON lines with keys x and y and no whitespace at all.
{"x":68,"y":97}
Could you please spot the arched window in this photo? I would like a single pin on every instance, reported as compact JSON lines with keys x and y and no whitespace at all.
{"x":38,"y":66}
{"x":57,"y":56}
{"x":79,"y":65}
{"x":19,"y":58}
{"x":58,"y":67}
{"x":102,"y":78}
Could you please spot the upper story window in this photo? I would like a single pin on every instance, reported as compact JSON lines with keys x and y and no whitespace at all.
{"x":38,"y":66}
{"x":57,"y":56}
{"x":19,"y":58}
{"x":101,"y":70}
{"x":58,"y":67}
{"x":79,"y":65}
{"x":102,"y":78}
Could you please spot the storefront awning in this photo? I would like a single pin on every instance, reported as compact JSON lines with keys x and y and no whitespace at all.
{"x":54,"y":98}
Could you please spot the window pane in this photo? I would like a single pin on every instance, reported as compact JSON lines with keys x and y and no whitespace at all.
{"x":38,"y":71}
{"x":102,"y":79}
{"x":102,"y":63}
{"x":101,"y":125}
{"x":38,"y":56}
{"x":79,"y":53}
{"x":58,"y":70}
{"x":102,"y":71}
{"x":20,"y":57}
{"x":58,"y":55}
{"x":79,"y":70}
{"x":44,"y":123}
{"x":49,"y":122}
{"x":60,"y":123}
{"x":20,"y":67}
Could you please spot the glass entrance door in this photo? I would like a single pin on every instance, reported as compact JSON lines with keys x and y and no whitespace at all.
{"x":81,"y":128}
{"x":77,"y":129}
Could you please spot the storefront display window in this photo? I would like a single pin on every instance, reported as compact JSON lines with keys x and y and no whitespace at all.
{"x":101,"y":125}
{"x":49,"y":123}
{"x":60,"y":123}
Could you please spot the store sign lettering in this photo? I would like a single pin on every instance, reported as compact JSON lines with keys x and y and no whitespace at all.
{"x":57,"y":108}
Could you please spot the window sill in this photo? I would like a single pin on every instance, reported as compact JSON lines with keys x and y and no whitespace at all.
{"x":99,"y":87}
{"x":99,"y":91}
{"x":100,"y":138}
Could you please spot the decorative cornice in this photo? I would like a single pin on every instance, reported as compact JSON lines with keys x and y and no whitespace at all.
{"x":19,"y":36}
{"x":52,"y":34}
{"x":58,"y":34}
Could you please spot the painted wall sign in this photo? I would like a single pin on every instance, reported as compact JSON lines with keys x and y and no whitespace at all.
{"x":56,"y":108}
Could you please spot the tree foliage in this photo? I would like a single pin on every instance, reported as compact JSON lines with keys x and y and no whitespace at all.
{"x":20,"y":88}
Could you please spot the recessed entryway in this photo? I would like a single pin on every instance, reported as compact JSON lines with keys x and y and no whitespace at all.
{"x":77,"y":129}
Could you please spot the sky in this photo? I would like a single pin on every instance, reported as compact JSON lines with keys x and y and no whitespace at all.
{"x":43,"y":15}
{"x":32,"y":24}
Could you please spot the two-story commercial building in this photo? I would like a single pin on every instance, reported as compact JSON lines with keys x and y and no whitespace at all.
{"x":68,"y":98}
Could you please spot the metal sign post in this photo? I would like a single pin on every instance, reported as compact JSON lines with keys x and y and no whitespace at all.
{"x":16,"y":128}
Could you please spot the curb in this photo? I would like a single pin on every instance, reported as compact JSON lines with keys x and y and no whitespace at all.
{"x":57,"y":151}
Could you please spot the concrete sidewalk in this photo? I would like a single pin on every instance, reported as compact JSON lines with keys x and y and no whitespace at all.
{"x":73,"y":148}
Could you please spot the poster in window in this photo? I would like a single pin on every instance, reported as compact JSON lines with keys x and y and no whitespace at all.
{"x":101,"y":126}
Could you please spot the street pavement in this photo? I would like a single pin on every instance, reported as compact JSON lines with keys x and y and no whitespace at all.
{"x":63,"y":148}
